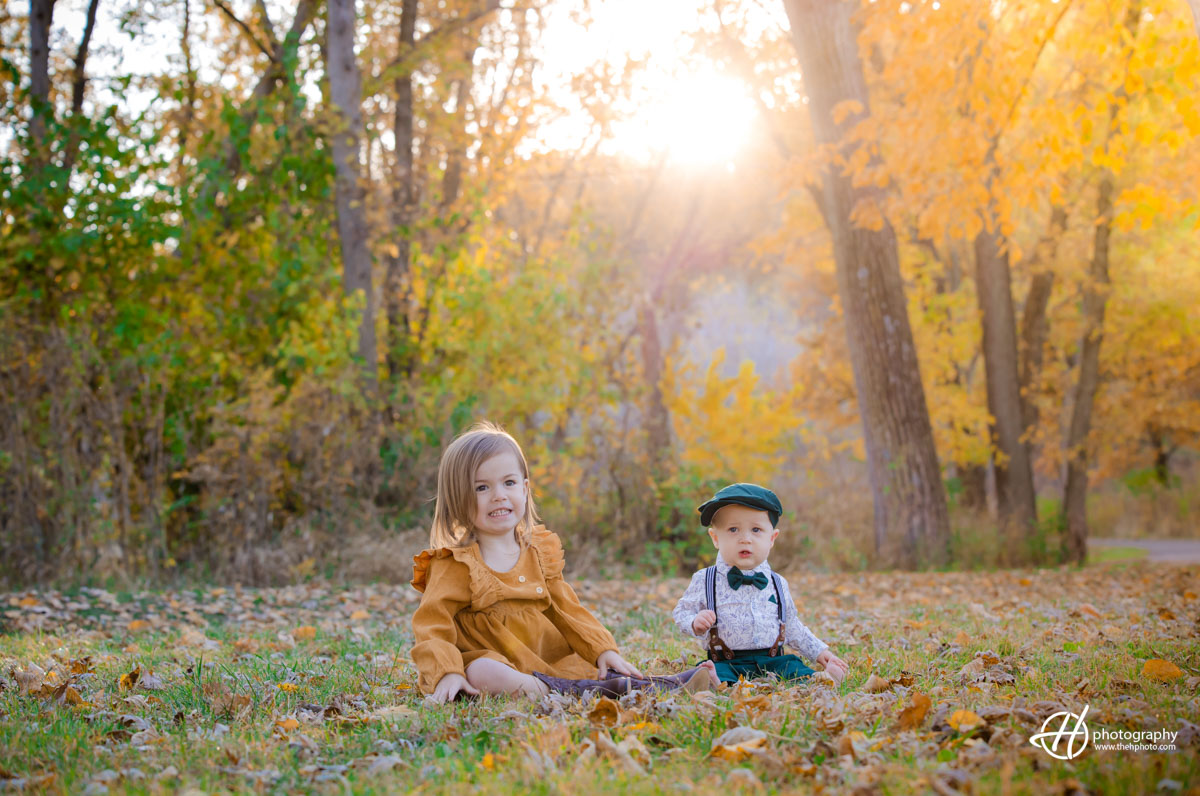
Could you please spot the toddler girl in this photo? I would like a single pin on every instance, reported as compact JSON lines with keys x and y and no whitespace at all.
{"x":496,"y":615}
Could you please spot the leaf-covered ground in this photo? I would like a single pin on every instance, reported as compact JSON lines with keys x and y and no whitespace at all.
{"x":310,"y":688}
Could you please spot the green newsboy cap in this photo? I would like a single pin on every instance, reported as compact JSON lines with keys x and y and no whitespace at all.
{"x":751,"y":495}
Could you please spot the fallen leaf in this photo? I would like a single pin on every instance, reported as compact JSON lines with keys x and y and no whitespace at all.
{"x":972,"y":669}
{"x":962,"y":639}
{"x":138,"y":624}
{"x":30,"y":679}
{"x":304,"y":633}
{"x":607,"y":713}
{"x":877,"y":685}
{"x":128,"y":681}
{"x":739,"y":744}
{"x":1089,"y":609}
{"x":913,"y":715}
{"x":392,"y":712}
{"x":359,"y":614}
{"x":288,"y":725}
{"x":965,"y":720}
{"x":1163,"y":671}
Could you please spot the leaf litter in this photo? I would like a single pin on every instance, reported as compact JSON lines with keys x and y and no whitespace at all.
{"x":309,"y":687}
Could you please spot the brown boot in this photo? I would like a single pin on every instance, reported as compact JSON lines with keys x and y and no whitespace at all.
{"x":612,"y":687}
{"x":690,"y":680}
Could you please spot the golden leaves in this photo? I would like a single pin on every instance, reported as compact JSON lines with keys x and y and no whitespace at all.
{"x":1163,"y":671}
{"x":914,"y":715}
{"x":304,"y":633}
{"x":128,"y":681}
{"x":965,"y":720}
{"x":846,"y":108}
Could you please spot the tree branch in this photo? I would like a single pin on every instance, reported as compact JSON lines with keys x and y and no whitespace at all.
{"x":267,"y":51}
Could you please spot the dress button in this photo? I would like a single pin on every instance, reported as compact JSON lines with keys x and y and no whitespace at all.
{"x":521,"y":579}
{"x":539,"y":589}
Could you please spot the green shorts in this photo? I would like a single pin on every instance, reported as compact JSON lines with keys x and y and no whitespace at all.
{"x":785,"y":667}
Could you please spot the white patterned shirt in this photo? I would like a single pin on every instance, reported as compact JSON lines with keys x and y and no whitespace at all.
{"x":746,"y":617}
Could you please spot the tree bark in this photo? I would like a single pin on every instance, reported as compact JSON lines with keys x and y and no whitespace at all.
{"x":41,"y":16}
{"x":79,"y":86}
{"x":658,"y":420}
{"x":1034,"y":325}
{"x":404,"y":196}
{"x":993,"y":287}
{"x":1095,"y":298}
{"x":911,"y":520}
{"x":345,"y":93}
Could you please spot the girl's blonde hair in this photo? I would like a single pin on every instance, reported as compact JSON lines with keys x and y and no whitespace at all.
{"x":455,"y":508}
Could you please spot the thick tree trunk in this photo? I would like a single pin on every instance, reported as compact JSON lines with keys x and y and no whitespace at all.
{"x":1095,"y":299}
{"x":911,"y":519}
{"x":1094,"y":305}
{"x":41,"y":16}
{"x":993,"y":284}
{"x":457,"y":150}
{"x":1034,"y":325}
{"x":1195,"y":4}
{"x":345,"y":94}
{"x":404,"y":195}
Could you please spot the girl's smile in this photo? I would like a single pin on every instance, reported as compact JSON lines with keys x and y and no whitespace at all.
{"x":501,"y":493}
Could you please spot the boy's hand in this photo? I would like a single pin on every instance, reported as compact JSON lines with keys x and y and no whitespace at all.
{"x":612,"y":659}
{"x":835,"y":666}
{"x":449,"y":686}
{"x":703,"y":621}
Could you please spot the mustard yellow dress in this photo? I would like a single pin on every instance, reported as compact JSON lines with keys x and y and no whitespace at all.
{"x":528,"y":617}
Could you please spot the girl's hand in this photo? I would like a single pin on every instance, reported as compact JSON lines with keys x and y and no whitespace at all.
{"x":449,"y":686}
{"x":835,"y":666}
{"x":703,"y":621}
{"x":613,"y":660}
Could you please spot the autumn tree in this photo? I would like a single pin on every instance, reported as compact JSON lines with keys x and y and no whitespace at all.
{"x":911,"y":521}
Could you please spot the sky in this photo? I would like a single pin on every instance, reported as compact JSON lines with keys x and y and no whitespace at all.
{"x":682,"y":107}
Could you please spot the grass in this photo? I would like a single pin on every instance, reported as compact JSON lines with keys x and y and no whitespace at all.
{"x":1102,"y":555}
{"x":310,"y":689}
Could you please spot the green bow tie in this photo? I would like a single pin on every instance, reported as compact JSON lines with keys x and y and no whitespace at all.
{"x":737,"y":578}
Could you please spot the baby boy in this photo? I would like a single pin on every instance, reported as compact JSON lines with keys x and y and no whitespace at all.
{"x":743,"y":610}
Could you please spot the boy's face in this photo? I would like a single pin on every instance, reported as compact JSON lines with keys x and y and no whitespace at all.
{"x":744,"y":536}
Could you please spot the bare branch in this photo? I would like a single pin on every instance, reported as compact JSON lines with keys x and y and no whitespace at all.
{"x":267,"y":51}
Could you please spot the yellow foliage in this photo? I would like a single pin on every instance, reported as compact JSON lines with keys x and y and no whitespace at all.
{"x":731,"y":426}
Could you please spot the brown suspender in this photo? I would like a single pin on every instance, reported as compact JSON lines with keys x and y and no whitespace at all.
{"x":716,"y":645}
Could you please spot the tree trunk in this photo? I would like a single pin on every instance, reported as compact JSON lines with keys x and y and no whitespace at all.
{"x":1034,"y":326}
{"x":993,"y":284}
{"x":1162,"y":456}
{"x":398,"y":263}
{"x":1195,"y":4}
{"x":1095,"y":298}
{"x":658,"y":420}
{"x":974,"y":486}
{"x":1094,"y":304}
{"x":345,"y":94}
{"x":911,"y":520}
{"x":41,"y":16}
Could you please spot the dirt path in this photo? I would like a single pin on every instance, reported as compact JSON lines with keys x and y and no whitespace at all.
{"x":1169,"y":551}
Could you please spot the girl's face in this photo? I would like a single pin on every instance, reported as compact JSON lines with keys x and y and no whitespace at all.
{"x":500,"y":495}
